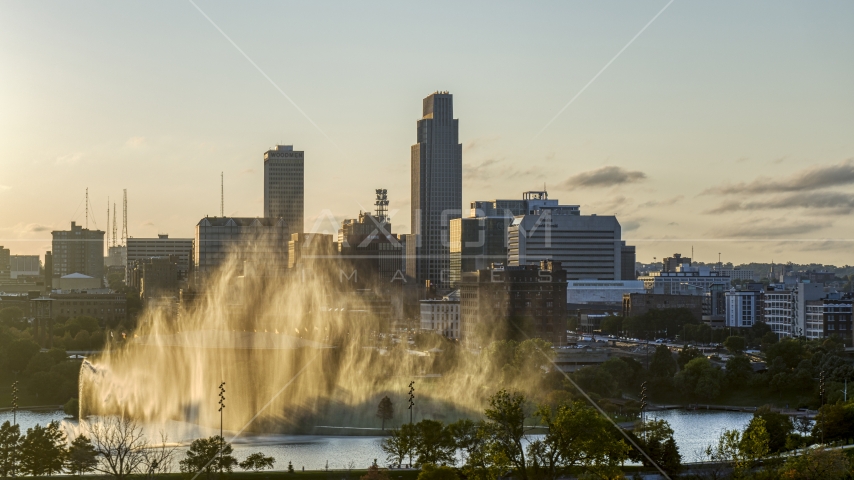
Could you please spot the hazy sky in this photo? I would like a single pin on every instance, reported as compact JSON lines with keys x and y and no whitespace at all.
{"x":725,"y":125}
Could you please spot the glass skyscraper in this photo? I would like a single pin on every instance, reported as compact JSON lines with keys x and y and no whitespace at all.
{"x":437,"y":187}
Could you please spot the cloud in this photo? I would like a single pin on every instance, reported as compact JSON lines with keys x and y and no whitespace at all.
{"x":481,"y":171}
{"x":813,"y":178}
{"x":604,"y":177}
{"x":768,"y":227}
{"x":148,"y":224}
{"x":662,"y":203}
{"x":614,"y":203}
{"x":69,"y":159}
{"x":135,"y":142}
{"x":835,"y":202}
{"x":248,"y":171}
{"x":479,"y":142}
{"x":630,"y":225}
{"x":36,"y":227}
{"x":673,"y":224}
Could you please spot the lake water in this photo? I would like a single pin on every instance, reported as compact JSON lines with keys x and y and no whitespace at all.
{"x":693,"y":431}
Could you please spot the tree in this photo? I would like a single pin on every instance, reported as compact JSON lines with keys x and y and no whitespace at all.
{"x":385,"y":410}
{"x":120,"y":446}
{"x":375,"y":473}
{"x":817,"y":463}
{"x":257,"y":462}
{"x":470,"y":440}
{"x":19,"y":354}
{"x":399,"y":444}
{"x":777,"y":425}
{"x":13,"y":317}
{"x":735,"y":344}
{"x":204,"y":456}
{"x":10,"y":444}
{"x":72,"y":407}
{"x":754,"y":443}
{"x":655,"y":437}
{"x":738,"y":371}
{"x":434,"y":443}
{"x":686,"y":355}
{"x":432,"y":472}
{"x":577,"y":436}
{"x":699,"y":379}
{"x":662,"y":364}
{"x":82,"y":457}
{"x":612,"y":325}
{"x":43,"y":450}
{"x":835,"y":421}
{"x":506,"y":424}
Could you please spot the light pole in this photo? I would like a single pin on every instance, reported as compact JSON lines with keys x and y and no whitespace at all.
{"x":411,"y":404}
{"x":643,"y":408}
{"x":15,"y":402}
{"x":221,"y":408}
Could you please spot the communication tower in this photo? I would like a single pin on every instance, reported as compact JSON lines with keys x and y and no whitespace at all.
{"x":221,"y":194}
{"x":115,"y":227}
{"x":125,"y":219}
{"x":381,"y":205}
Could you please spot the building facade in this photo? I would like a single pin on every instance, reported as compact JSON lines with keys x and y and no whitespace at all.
{"x":442,"y":315}
{"x":78,"y":250}
{"x":601,"y":291}
{"x":743,"y":308}
{"x":638,"y":304}
{"x":108,"y":308}
{"x":684,"y":280}
{"x":476,"y":244}
{"x":24,"y":266}
{"x":5,"y":264}
{"x":436,"y":187}
{"x":259,"y":241}
{"x":284,"y":186}
{"x":587,"y":246}
{"x":155,"y":277}
{"x":162,"y":246}
{"x":777,"y":311}
{"x":527,"y":296}
{"x":368,"y":245}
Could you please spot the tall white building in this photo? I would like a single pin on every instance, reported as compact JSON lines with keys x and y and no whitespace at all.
{"x":284,"y":186}
{"x":777,"y":311}
{"x":742,"y":308}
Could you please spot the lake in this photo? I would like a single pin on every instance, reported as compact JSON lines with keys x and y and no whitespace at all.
{"x":693,"y":431}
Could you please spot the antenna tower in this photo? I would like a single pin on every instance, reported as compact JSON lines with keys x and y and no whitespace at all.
{"x":221,"y":194}
{"x":87,"y":207}
{"x":125,"y":218}
{"x":108,"y":222}
{"x":115,"y":227}
{"x":381,"y":205}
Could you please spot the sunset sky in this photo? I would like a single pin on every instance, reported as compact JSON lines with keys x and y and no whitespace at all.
{"x":727,"y":126}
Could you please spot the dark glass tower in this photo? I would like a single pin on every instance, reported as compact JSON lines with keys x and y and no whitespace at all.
{"x":437,"y":187}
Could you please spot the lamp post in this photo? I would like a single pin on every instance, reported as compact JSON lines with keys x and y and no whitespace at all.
{"x":15,"y":402}
{"x":411,"y":404}
{"x":221,"y":408}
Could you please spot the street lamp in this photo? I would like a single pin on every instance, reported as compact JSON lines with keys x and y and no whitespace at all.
{"x":15,"y":402}
{"x":221,"y":408}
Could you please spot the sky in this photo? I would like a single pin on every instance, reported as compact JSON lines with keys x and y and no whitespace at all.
{"x":723,"y":127}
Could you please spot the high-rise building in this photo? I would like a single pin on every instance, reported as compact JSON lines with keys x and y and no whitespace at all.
{"x":260,"y":242}
{"x":476,"y":244}
{"x":5,"y":264}
{"x":437,"y":187}
{"x":284,"y":186}
{"x":78,"y":250}
{"x":144,"y":248}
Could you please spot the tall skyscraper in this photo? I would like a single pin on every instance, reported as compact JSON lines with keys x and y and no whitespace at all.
{"x":437,"y":187}
{"x":284,"y":186}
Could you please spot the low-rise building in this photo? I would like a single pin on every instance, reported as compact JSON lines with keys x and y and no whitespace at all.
{"x":533,"y":295}
{"x":601,"y":291}
{"x":685,"y":280}
{"x":108,"y":308}
{"x":24,"y":266}
{"x":77,"y":281}
{"x":638,"y":304}
{"x":442,"y":315}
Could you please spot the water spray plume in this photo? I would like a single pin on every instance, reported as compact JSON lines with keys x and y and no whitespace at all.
{"x":170,"y":370}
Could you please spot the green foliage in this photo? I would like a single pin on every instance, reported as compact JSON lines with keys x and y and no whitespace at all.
{"x":735,"y":344}
{"x":669,"y":321}
{"x":385,"y":410}
{"x":612,"y":325}
{"x":19,"y":354}
{"x":10,"y":443}
{"x":257,"y":462}
{"x":72,"y":407}
{"x":577,"y":437}
{"x":738,"y":371}
{"x":686,"y":355}
{"x":375,"y":473}
{"x":699,"y":379}
{"x":777,"y":425}
{"x":43,"y":450}
{"x":834,"y":422}
{"x":82,"y":457}
{"x":434,"y":444}
{"x":506,"y":428}
{"x":432,"y":472}
{"x":662,"y":364}
{"x":82,"y":323}
{"x":204,"y":455}
{"x":12,"y":317}
{"x":655,"y":437}
{"x":399,"y":444}
{"x":817,"y":463}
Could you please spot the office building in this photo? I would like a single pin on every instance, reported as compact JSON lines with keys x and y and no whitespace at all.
{"x":777,"y":310}
{"x":109,"y":308}
{"x":311,"y":250}
{"x":581,"y":292}
{"x":144,"y":248}
{"x":669,"y":264}
{"x":117,"y":256}
{"x":476,"y":243}
{"x":368,"y":245}
{"x":743,"y":308}
{"x":436,"y":188}
{"x":284,"y":186}
{"x":154,"y":277}
{"x":24,"y":266}
{"x":78,"y":250}
{"x":587,"y":246}
{"x":525,"y":296}
{"x":628,"y":257}
{"x":5,"y":264}
{"x":638,"y":304}
{"x":531,"y":202}
{"x":739,"y":274}
{"x":830,"y":316}
{"x":684,"y":280}
{"x":803,"y":293}
{"x":263,"y":242}
{"x":442,"y":315}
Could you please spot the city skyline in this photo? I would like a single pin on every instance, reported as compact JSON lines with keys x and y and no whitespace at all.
{"x":685,"y":137}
